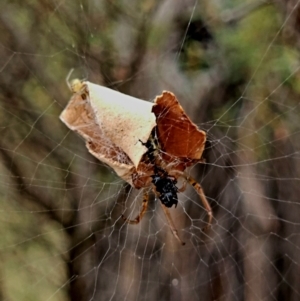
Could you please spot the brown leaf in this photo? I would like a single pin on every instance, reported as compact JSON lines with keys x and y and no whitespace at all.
{"x":179,"y":137}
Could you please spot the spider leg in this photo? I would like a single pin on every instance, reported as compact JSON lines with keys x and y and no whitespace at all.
{"x":141,"y":214}
{"x":171,"y":223}
{"x":183,"y":187}
{"x":205,"y":203}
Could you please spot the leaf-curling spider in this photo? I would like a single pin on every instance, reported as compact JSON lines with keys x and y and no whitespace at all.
{"x":164,"y":181}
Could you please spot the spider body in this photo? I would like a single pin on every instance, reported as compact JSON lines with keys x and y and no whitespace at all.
{"x":165,"y":185}
{"x":164,"y":180}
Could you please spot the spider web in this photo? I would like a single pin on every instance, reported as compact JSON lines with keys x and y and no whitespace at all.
{"x":234,"y":66}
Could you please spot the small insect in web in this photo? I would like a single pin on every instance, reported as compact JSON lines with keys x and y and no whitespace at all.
{"x":75,"y":85}
{"x":164,"y":180}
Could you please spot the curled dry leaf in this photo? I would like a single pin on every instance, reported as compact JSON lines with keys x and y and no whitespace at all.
{"x":111,"y":124}
{"x":180,"y":139}
{"x":114,"y":125}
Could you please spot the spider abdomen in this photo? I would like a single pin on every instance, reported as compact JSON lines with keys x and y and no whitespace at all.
{"x":167,"y":189}
{"x":169,"y":199}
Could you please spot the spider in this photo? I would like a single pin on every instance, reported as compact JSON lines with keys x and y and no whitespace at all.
{"x":164,"y":182}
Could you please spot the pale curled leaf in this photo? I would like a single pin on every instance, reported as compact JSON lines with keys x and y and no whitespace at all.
{"x":112,"y":124}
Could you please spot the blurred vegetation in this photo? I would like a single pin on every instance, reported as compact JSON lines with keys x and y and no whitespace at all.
{"x":234,"y":66}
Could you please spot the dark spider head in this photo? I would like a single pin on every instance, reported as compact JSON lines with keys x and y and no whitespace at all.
{"x":156,"y":179}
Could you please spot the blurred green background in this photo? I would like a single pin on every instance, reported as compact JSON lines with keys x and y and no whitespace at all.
{"x":234,"y":66}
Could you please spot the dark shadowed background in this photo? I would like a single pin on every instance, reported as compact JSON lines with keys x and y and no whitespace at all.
{"x":234,"y":66}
